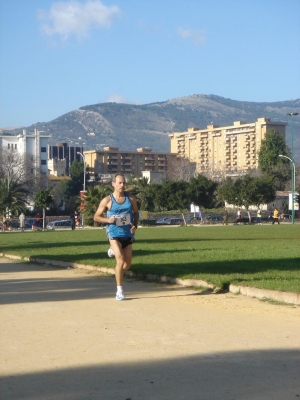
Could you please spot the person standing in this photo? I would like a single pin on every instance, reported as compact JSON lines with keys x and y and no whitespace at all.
{"x":275,"y":216}
{"x":122,"y":217}
{"x":4,"y":223}
{"x":239,"y":216}
{"x":225,"y":217}
{"x":259,"y":217}
{"x":72,"y":217}
{"x":38,"y":220}
{"x":22,"y":221}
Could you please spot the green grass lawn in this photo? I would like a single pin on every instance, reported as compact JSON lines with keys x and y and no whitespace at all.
{"x":259,"y":256}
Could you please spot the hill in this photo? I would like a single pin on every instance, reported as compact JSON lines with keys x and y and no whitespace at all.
{"x":129,"y":126}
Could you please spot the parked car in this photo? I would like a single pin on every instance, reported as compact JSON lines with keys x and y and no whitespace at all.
{"x":214,"y":218}
{"x":192,"y":220}
{"x":285,"y":217}
{"x":175,"y":221}
{"x":29,"y":222}
{"x":64,"y":223}
{"x":162,"y":221}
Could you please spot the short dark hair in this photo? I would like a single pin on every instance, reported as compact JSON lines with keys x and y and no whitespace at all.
{"x":117,"y":174}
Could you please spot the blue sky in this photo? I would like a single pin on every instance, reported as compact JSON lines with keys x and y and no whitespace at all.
{"x":56,"y":56}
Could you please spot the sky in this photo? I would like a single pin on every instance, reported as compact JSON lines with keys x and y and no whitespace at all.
{"x":57,"y":56}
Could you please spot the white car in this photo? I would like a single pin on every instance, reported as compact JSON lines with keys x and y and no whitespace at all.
{"x":61,"y":224}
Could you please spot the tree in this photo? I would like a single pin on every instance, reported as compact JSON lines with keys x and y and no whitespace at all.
{"x":172,"y":195}
{"x":13,"y":197}
{"x":269,"y":161}
{"x":182,"y":169}
{"x":144,"y":192}
{"x":93,"y":197}
{"x":246,"y":191}
{"x":19,"y":169}
{"x":202,"y":191}
{"x":44,"y":199}
{"x":77,"y":177}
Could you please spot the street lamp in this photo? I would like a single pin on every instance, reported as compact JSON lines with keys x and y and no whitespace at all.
{"x":293,"y":185}
{"x":84,"y":168}
{"x":293,"y":114}
{"x":83,"y":158}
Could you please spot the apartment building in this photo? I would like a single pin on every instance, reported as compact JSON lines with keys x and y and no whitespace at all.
{"x":224,"y":151}
{"x":111,"y":160}
{"x":33,"y":146}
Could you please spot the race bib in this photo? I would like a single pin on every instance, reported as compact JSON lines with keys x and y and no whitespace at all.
{"x":122,"y":220}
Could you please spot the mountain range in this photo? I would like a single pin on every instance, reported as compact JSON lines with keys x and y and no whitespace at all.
{"x":130,"y":126}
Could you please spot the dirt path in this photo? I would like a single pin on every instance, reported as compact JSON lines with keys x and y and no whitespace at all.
{"x":65,"y":337}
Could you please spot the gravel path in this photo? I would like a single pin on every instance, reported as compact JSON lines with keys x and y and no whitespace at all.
{"x":65,"y":337}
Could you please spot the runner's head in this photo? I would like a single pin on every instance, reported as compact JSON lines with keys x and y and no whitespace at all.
{"x":118,"y":182}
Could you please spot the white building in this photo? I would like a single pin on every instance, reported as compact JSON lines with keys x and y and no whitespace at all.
{"x":32,"y":145}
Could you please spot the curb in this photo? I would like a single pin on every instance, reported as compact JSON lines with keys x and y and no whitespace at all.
{"x":285,"y":297}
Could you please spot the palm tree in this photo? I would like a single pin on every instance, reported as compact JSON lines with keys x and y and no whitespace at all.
{"x":13,"y":196}
{"x":144,"y":192}
{"x":93,"y":197}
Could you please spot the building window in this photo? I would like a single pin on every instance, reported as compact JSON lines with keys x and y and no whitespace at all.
{"x":43,"y":162}
{"x":8,"y":146}
{"x":16,"y":146}
{"x":43,"y":149}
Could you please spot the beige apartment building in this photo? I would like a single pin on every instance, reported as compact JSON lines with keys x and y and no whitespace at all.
{"x":222,"y":151}
{"x":111,"y":160}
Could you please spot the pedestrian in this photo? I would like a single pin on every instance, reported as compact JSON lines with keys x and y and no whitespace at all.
{"x":275,"y":216}
{"x":225,"y":217}
{"x":259,"y":217}
{"x":38,"y":220}
{"x":4,"y":223}
{"x":122,"y":217}
{"x":22,"y":221}
{"x":239,"y":216}
{"x":77,"y":219}
{"x":72,"y":217}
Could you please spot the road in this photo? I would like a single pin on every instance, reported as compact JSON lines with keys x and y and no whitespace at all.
{"x":65,"y":337}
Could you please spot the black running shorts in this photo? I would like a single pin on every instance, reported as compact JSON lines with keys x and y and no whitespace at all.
{"x":125,"y":241}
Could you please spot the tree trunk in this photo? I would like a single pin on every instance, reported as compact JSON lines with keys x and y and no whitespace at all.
{"x":44,"y":215}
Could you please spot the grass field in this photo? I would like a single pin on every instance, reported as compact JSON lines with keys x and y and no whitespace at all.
{"x":259,"y":256}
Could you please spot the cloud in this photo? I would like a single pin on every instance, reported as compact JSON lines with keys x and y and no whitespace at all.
{"x":74,"y":18}
{"x":118,"y":98}
{"x":195,"y":35}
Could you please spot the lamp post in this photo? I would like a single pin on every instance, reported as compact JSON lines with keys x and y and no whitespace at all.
{"x":84,"y":168}
{"x":83,"y":158}
{"x":293,"y":185}
{"x":293,"y":114}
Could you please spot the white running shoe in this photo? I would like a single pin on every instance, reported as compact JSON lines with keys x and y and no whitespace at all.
{"x":120,"y":296}
{"x":110,"y":252}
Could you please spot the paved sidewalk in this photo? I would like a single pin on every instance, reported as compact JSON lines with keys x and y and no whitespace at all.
{"x":65,"y":337}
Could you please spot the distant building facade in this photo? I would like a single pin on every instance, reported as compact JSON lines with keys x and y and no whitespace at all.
{"x":154,"y":177}
{"x":227,"y":150}
{"x":62,"y":151}
{"x":57,"y":167}
{"x":29,"y":145}
{"x":111,"y":160}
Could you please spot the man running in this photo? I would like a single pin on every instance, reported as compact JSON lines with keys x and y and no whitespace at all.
{"x":122,"y":217}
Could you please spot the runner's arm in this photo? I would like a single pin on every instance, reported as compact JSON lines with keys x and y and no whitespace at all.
{"x":103,"y":207}
{"x":135,"y":212}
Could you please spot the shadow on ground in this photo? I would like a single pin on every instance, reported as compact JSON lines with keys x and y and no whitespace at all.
{"x":253,"y":375}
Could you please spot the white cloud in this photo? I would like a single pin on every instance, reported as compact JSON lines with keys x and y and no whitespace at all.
{"x":195,"y":35}
{"x":116,"y":98}
{"x":74,"y":18}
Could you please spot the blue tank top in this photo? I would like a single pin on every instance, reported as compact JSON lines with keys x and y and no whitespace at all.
{"x":124,"y":216}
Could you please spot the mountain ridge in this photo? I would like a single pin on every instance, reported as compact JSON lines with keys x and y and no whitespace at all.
{"x":129,"y":126}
